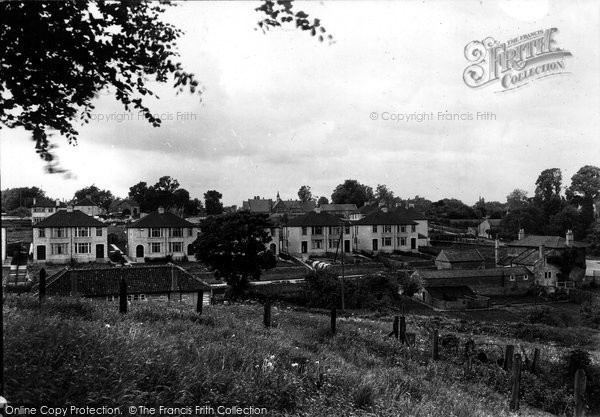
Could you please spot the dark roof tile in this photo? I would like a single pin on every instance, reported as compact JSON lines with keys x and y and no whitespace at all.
{"x":165,"y":219}
{"x":381,"y":217}
{"x":314,"y":219}
{"x":65,"y":218}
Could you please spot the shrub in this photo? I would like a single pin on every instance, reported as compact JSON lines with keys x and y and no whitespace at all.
{"x":364,"y":395}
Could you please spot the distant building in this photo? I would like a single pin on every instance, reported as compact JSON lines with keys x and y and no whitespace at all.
{"x":542,"y":255}
{"x":347,"y":211}
{"x":69,"y":235}
{"x":42,"y":209}
{"x":258,"y":205}
{"x":487,"y":226}
{"x":315,"y":233}
{"x":88,"y":207}
{"x":126,"y":207}
{"x":460,"y":259}
{"x":491,"y":281}
{"x":159,"y":234}
{"x":385,"y":231}
{"x":292,"y":208}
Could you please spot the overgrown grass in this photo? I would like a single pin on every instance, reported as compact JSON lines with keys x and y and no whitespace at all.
{"x":82,"y":352}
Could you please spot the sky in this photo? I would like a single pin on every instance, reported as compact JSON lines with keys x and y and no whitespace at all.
{"x":281,"y":110}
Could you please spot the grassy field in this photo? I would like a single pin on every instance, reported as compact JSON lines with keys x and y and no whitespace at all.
{"x":84,"y":353}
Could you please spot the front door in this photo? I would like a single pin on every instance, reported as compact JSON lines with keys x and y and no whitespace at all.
{"x":139,"y":251}
{"x":413,"y":243}
{"x":346,"y":246}
{"x":99,"y":251}
{"x":304,"y":247}
{"x":375,"y":241}
{"x":41,"y":253}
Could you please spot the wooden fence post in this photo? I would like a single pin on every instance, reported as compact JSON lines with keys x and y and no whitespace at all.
{"x":580,"y":387}
{"x":395,"y":328}
{"x":469,"y":356}
{"x":42,"y":286}
{"x":536,"y":359}
{"x":333,"y":319}
{"x":199,"y":302}
{"x":402,"y":329}
{"x":434,"y":346}
{"x":516,"y":383}
{"x":508,"y":357}
{"x":267,"y":315}
{"x":123,"y":297}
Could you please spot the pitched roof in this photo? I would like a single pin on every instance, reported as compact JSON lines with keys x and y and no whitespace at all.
{"x":156,"y":219}
{"x":468,"y":255}
{"x":85,"y":202}
{"x":492,"y":222}
{"x":65,"y":218}
{"x":296,"y":205}
{"x":314,"y":219}
{"x":556,"y":242}
{"x":116,"y":204}
{"x":381,"y":217}
{"x":258,"y":205}
{"x":158,"y":279}
{"x":410,"y":213}
{"x":450,"y":293}
{"x":467,"y":273}
{"x":49,"y":203}
{"x":339,"y":207}
{"x":368,"y":208}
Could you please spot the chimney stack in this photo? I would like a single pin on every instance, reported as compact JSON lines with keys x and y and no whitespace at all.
{"x":161,"y":210}
{"x":318,"y":209}
{"x":34,"y":201}
{"x":541,"y":253}
{"x":384,"y":209}
{"x":70,"y":208}
{"x":521,"y":234}
{"x":57,"y":202}
{"x":569,"y":238}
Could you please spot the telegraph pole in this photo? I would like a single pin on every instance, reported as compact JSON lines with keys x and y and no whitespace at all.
{"x":342,"y":251}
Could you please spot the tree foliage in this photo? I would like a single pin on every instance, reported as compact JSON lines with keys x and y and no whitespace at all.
{"x":322,"y":200}
{"x":352,"y":192}
{"x":234,"y":245}
{"x":383,"y":195}
{"x":304,"y":193}
{"x":58,"y":56}
{"x":13,"y":198}
{"x":165,"y":193}
{"x":584,"y":191}
{"x":517,"y":199}
{"x":103,"y":198}
{"x":212,"y":202}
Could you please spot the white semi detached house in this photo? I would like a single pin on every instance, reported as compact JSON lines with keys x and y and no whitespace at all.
{"x":385,"y":231}
{"x":69,"y":235}
{"x":159,"y":234}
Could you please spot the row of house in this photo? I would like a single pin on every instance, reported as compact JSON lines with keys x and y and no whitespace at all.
{"x":43,"y":209}
{"x":74,"y":235}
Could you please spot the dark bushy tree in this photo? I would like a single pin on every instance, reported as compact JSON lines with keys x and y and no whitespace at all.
{"x":235,"y":246}
{"x":212,"y":202}
{"x":103,"y":198}
{"x":352,"y":192}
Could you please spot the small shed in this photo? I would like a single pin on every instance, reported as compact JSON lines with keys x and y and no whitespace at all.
{"x":459,"y":297}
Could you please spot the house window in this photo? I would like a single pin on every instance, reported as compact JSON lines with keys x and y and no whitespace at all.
{"x":59,"y":232}
{"x":177,"y":232}
{"x":155,"y":232}
{"x":59,"y":248}
{"x":512,"y":278}
{"x":42,"y":233}
{"x":190,"y":232}
{"x":402,"y":241}
{"x":347,"y":230}
{"x":136,"y":297}
{"x":386,"y":241}
{"x":333,"y":243}
{"x":413,"y":228}
{"x":403,"y":229}
{"x":83,"y":247}
{"x":304,"y":231}
{"x":548,"y":274}
{"x":155,"y":247}
{"x":334,"y":230}
{"x":98,"y":231}
{"x":175,"y":247}
{"x":317,"y":244}
{"x":374,"y":228}
{"x":82,"y":232}
{"x":387,"y":228}
{"x":317,"y":230}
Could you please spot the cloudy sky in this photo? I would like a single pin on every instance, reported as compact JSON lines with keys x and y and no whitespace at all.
{"x":281,"y":109}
